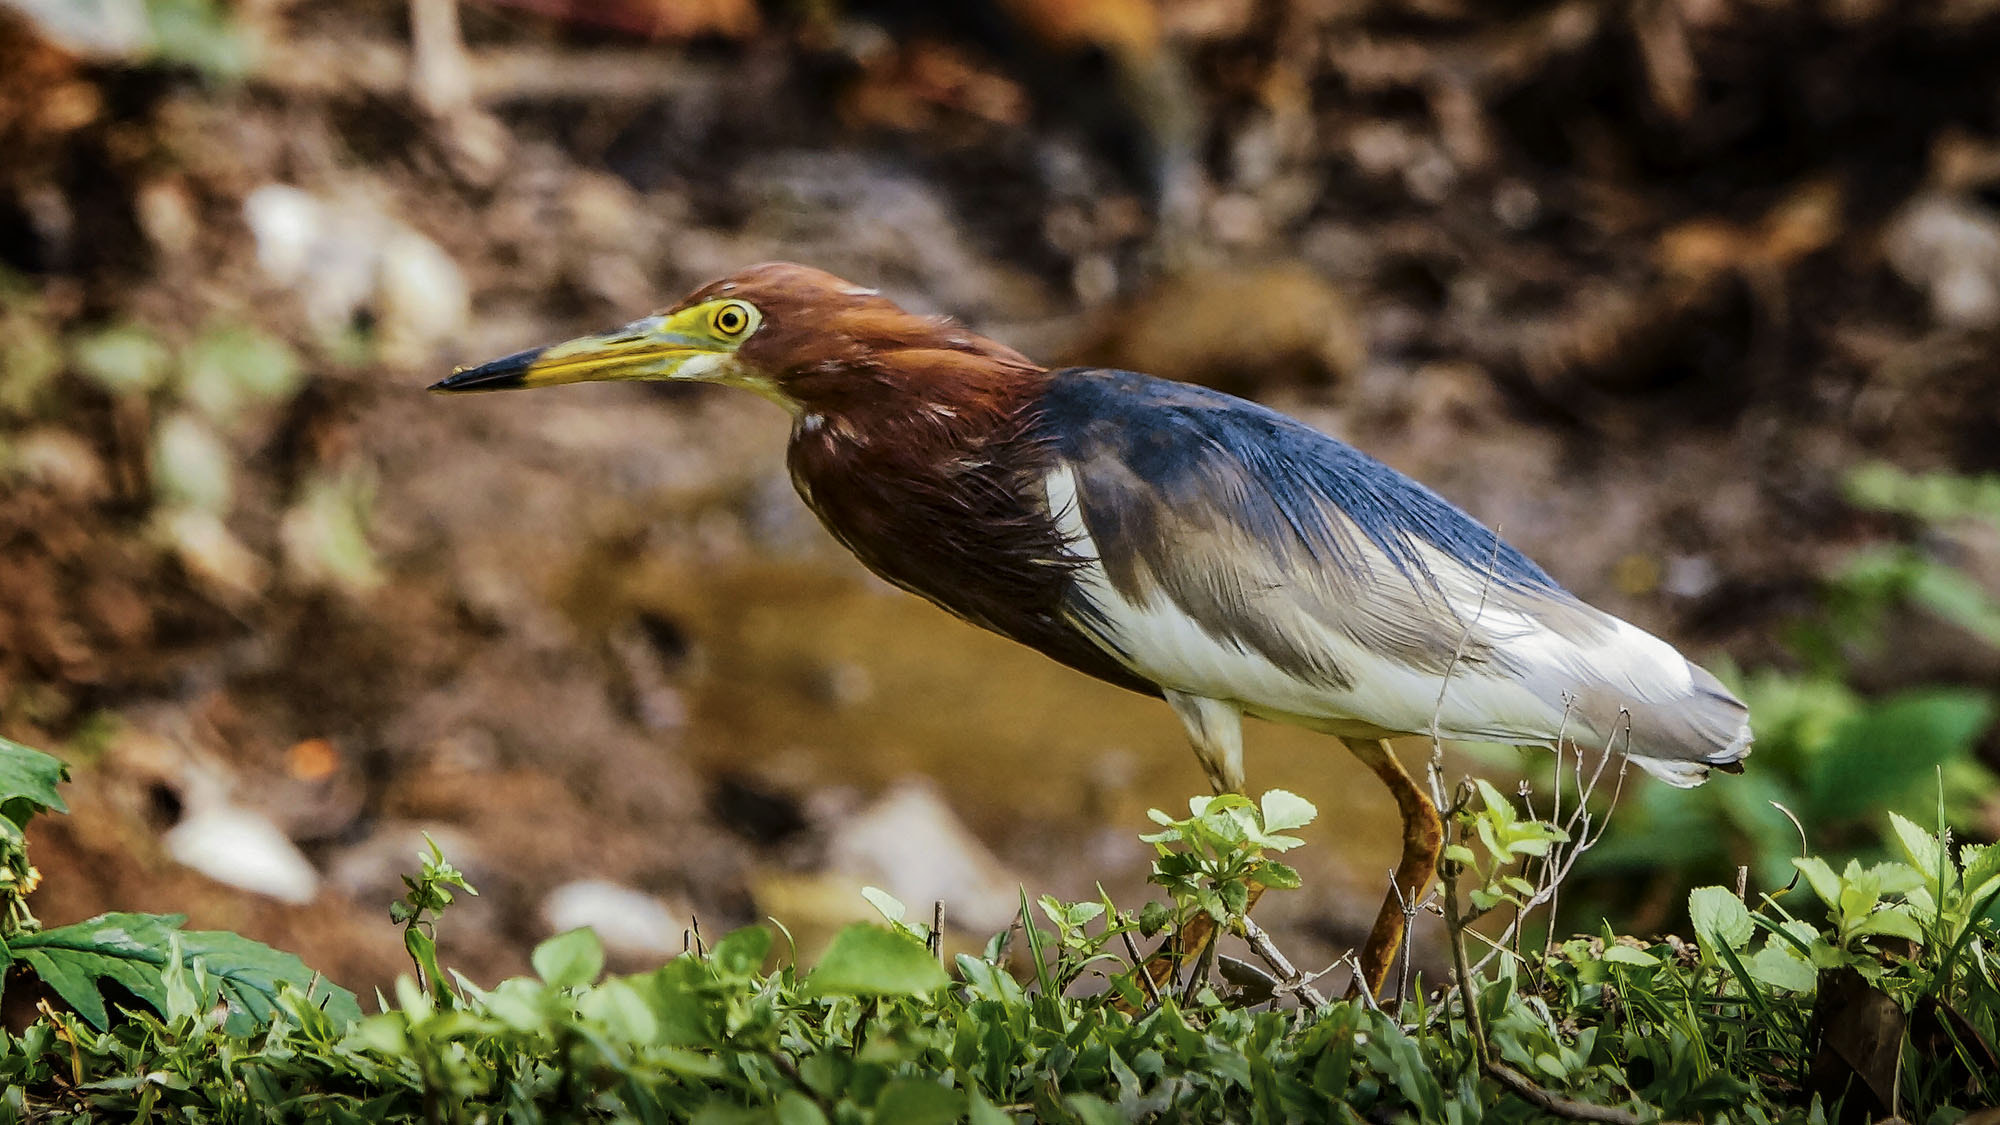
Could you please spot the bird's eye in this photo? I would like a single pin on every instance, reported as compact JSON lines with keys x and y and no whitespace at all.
{"x":730,"y":319}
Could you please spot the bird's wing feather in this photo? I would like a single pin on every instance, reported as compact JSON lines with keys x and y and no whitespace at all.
{"x":1240,"y":555}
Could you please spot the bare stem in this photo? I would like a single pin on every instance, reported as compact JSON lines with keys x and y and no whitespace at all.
{"x":1568,"y":1108}
{"x":1289,"y":976}
{"x":1139,"y":967}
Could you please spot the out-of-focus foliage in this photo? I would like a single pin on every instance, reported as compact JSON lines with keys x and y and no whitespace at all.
{"x":209,"y":394}
{"x":1833,"y":757}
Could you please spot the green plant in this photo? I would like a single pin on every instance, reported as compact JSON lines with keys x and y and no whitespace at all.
{"x":147,"y":957}
{"x":881,"y":1030}
{"x":430,"y":891}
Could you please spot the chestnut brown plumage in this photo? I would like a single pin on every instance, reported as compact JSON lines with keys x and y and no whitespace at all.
{"x":1171,"y":540}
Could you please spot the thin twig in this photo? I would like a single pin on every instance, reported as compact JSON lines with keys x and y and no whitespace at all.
{"x":1409,"y":909}
{"x":1563,"y":860}
{"x":1139,"y":967}
{"x":1289,"y":976}
{"x":1541,"y":1099}
{"x":1353,"y":964}
{"x":1454,"y":928}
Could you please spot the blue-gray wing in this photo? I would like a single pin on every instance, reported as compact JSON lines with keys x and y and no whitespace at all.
{"x":1237,"y":554}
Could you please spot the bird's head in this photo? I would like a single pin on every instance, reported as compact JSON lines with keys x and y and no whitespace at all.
{"x":796,"y":335}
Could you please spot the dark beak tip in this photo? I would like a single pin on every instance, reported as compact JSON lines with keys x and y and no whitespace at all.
{"x":501,"y":374}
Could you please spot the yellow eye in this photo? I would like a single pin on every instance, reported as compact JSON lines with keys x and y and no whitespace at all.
{"x":730,"y":319}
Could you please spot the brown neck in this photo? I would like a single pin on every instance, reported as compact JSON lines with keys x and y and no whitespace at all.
{"x":913,"y":382}
{"x":873,"y":359}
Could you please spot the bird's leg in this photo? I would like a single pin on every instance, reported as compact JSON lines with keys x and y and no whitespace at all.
{"x":1423,"y":838}
{"x":1215,"y":728}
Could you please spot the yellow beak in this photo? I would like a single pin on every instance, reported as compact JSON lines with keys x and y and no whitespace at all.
{"x":644,"y":349}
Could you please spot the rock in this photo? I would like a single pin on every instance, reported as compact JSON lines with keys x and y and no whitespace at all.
{"x":192,"y":466}
{"x":61,"y":462}
{"x":421,"y":297}
{"x":325,"y":535}
{"x":211,"y":554}
{"x":99,"y":29}
{"x":231,"y":844}
{"x":346,"y":255}
{"x":629,"y":922}
{"x":1950,"y":249}
{"x":912,"y":845}
{"x":325,"y":254}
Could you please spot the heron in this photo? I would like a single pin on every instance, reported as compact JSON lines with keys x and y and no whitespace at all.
{"x":1173,"y":540}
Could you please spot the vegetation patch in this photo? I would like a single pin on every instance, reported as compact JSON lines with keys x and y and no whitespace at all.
{"x":1868,"y":992}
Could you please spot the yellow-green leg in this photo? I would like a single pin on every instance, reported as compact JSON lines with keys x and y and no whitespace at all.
{"x":1423,"y":839}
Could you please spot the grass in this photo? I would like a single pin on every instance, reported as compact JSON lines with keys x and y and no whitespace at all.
{"x":1863,"y":991}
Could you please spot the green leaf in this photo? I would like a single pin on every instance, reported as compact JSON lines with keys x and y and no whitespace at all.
{"x":1920,"y":846}
{"x":134,"y":949}
{"x":1283,"y":810}
{"x":917,"y":1101}
{"x":620,"y":1008}
{"x":1278,"y":876}
{"x":126,"y":359}
{"x":229,"y":367}
{"x":1894,"y":879}
{"x":673,"y":990}
{"x":1819,"y":875}
{"x":1881,"y":754}
{"x":250,"y":975}
{"x":1082,"y":913}
{"x":1235,"y":898}
{"x":569,"y":959}
{"x":1890,"y":923}
{"x":28,"y":780}
{"x":1720,"y":918}
{"x":985,"y":1112}
{"x":1620,"y":954}
{"x":1093,"y":1110}
{"x":887,"y":905}
{"x":193,"y":467}
{"x":866,"y":960}
{"x":1501,"y":808}
{"x":743,"y":951}
{"x":720,"y":1112}
{"x":794,"y":1108}
{"x":1775,"y":966}
{"x":1980,"y":861}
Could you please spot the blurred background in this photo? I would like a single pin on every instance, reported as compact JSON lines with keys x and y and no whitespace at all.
{"x":1698,"y":301}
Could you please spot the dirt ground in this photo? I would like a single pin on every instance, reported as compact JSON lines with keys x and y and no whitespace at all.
{"x":1637,"y":282}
